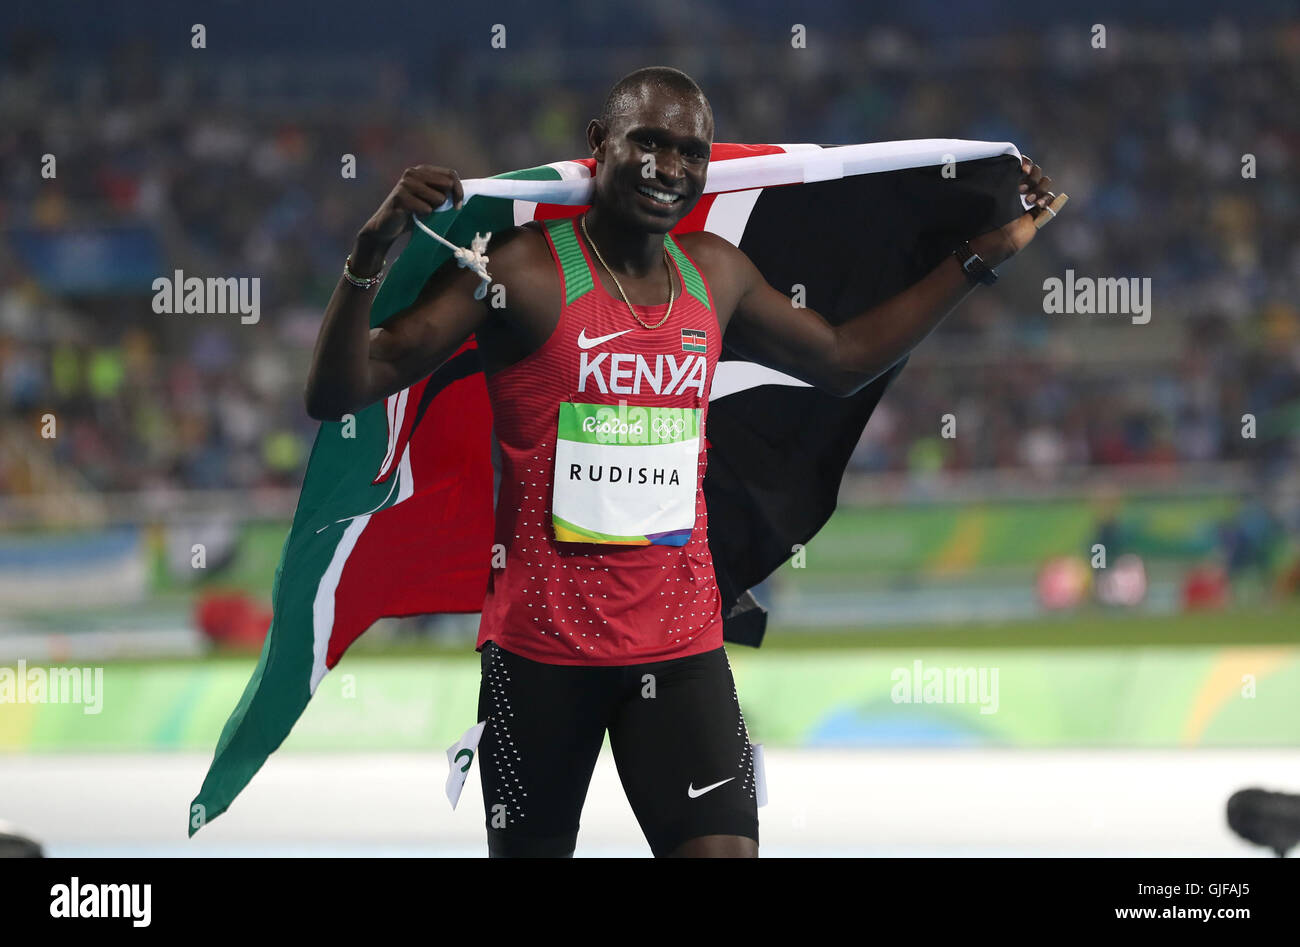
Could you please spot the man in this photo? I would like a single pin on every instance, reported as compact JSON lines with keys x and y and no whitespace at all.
{"x":605,"y":615}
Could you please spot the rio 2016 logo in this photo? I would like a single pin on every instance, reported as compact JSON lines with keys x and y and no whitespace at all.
{"x":612,"y":426}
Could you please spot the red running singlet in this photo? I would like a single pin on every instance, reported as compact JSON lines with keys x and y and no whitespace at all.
{"x":589,"y":603}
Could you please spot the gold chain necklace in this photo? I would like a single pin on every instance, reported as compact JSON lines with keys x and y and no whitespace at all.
{"x":672,"y":289}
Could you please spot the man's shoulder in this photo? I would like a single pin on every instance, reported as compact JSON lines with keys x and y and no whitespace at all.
{"x":715,"y":255}
{"x":519,"y":248}
{"x":519,"y":259}
{"x":529,"y":233}
{"x":723,"y":264}
{"x":703,"y":240}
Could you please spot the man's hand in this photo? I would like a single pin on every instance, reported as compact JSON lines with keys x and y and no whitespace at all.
{"x":1000,"y":245}
{"x":418,"y":191}
{"x":354,"y":365}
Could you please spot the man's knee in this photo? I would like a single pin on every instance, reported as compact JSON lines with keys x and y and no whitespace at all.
{"x":716,"y":846}
{"x":555,"y":846}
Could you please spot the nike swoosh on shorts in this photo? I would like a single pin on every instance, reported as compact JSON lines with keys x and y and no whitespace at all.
{"x":696,"y":793}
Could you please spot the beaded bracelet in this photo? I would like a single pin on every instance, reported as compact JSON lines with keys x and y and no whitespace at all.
{"x":362,"y":282}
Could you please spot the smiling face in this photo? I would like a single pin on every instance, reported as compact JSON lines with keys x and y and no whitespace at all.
{"x":670,"y":132}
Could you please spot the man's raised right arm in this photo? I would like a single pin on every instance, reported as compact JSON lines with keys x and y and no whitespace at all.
{"x":353,"y":365}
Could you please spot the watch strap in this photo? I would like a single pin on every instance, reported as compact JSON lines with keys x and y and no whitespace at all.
{"x":973,"y":265}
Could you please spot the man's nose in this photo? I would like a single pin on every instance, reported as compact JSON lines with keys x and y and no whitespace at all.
{"x":669,"y":166}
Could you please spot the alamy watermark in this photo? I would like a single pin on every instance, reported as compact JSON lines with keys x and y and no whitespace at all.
{"x":1100,"y":295}
{"x":215,"y":295}
{"x":77,"y":899}
{"x":61,"y":685}
{"x":946,"y":685}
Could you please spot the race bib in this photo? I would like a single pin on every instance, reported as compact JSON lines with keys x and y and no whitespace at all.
{"x":625,"y":474}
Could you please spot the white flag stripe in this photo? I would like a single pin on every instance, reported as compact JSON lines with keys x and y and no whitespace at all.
{"x":571,"y":170}
{"x":791,"y":167}
{"x":396,"y":408}
{"x":405,"y":477}
{"x":731,"y":376}
{"x":322,"y":610}
{"x":730,"y":213}
{"x":728,"y":218}
{"x":323,"y":605}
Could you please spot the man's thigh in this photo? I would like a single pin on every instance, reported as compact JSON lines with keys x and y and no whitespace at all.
{"x":683,"y":752}
{"x":545,"y":727}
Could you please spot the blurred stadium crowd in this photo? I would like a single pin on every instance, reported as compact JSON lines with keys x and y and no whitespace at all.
{"x":163,"y":168}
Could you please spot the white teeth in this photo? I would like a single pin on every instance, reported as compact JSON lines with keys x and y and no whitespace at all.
{"x":661,"y":196}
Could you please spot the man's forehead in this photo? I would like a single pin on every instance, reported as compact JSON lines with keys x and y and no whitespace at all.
{"x":678,"y":113}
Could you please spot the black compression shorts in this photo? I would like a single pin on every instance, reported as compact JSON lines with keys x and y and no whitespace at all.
{"x":675,"y":727}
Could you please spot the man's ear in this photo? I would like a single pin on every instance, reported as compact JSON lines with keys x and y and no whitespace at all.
{"x":596,"y":136}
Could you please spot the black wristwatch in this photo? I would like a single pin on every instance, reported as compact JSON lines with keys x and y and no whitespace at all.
{"x":976,"y":270}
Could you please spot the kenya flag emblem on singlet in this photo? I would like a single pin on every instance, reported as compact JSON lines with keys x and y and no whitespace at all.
{"x":693,"y":340}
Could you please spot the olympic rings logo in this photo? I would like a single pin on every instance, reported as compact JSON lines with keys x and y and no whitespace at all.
{"x":668,"y":427}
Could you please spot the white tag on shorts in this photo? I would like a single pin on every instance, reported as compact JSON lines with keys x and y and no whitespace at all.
{"x":460,"y":757}
{"x":760,"y":775}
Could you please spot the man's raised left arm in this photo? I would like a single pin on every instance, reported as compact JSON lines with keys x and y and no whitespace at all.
{"x":766,"y":328}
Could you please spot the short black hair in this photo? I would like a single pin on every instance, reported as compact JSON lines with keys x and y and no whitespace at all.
{"x":660,"y":77}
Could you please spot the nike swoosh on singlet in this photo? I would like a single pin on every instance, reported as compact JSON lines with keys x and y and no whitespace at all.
{"x":586,"y":343}
{"x":696,"y":793}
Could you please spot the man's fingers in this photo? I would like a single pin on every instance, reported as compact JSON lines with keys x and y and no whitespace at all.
{"x":1046,"y":214}
{"x":428,"y":192}
{"x":1032,"y":173}
{"x":1036,"y":188}
{"x":443,"y":180}
{"x":433,"y":186}
{"x":414,"y":204}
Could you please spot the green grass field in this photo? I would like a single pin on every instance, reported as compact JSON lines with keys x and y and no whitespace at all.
{"x":1093,"y":628}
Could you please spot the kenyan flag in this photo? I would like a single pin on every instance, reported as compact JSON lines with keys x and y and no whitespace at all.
{"x":395,"y":516}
